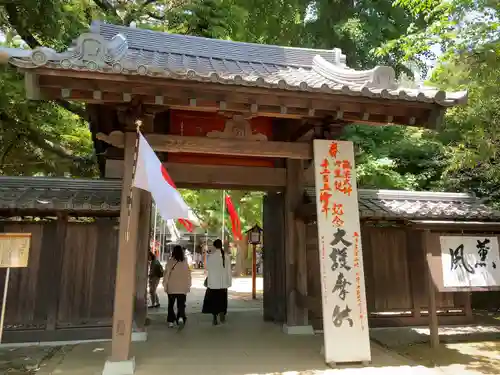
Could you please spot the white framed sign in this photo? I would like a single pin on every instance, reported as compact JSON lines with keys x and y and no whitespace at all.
{"x":345,"y":320}
{"x":470,"y":261}
{"x":14,"y":250}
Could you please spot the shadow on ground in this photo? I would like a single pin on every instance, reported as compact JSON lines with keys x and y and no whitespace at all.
{"x":478,"y":357}
{"x":244,"y":345}
{"x":473,"y":348}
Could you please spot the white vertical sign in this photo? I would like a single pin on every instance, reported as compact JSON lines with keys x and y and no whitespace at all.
{"x":470,"y":262}
{"x":345,"y":321}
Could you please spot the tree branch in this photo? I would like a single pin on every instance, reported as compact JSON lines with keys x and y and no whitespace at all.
{"x":17,"y":24}
{"x":55,"y":148}
{"x":105,"y":5}
{"x":30,"y":39}
{"x":7,"y":151}
{"x":44,"y":143}
{"x":79,"y":111}
{"x":155,"y":16}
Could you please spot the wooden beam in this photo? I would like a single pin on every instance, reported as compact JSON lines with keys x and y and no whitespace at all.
{"x":308,"y":103}
{"x":191,"y":175}
{"x":126,"y":267}
{"x":217,"y":146}
{"x":32,"y":87}
{"x":195,"y":86}
{"x":301,"y":131}
{"x":350,"y":112}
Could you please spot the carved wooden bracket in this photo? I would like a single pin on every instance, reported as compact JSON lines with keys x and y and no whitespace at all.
{"x":115,"y":138}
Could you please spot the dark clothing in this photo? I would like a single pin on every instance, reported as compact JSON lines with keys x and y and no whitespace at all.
{"x":215,"y":301}
{"x":181,"y":307}
{"x":153,"y":285}
{"x":156,"y":269}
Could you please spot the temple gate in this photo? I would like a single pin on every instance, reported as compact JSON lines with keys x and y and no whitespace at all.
{"x":221,"y":114}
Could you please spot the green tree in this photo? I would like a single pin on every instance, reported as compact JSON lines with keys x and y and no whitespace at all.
{"x":52,"y":138}
{"x":463,"y":37}
{"x":207,"y":204}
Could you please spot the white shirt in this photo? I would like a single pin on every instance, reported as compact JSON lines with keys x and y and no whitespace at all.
{"x":219,"y":277}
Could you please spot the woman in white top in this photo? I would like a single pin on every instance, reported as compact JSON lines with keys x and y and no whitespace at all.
{"x":218,"y":280}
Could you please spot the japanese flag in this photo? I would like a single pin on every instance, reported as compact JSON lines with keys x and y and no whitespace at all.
{"x":151,"y":175}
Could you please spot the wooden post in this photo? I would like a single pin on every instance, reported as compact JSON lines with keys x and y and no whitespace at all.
{"x":4,"y":301}
{"x":296,"y":278}
{"x":126,"y":267}
{"x":274,"y":259}
{"x":144,"y":231}
{"x":431,"y":290}
{"x":254,"y":271}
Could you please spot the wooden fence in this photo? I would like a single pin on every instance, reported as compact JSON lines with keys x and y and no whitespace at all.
{"x":68,"y":285}
{"x":395,"y":276}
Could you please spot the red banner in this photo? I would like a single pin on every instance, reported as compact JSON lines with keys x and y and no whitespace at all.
{"x":235,"y":220}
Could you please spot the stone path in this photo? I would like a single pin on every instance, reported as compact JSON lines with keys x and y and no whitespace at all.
{"x":245,"y":345}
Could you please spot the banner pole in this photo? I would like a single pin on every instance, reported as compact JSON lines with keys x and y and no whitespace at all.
{"x":254,"y":271}
{"x":4,"y":301}
{"x":223,"y":215}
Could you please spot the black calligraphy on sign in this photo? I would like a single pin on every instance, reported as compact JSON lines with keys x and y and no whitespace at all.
{"x":482,"y":250}
{"x":339,"y":316}
{"x":339,"y":255}
{"x":341,"y":286}
{"x":458,"y":260}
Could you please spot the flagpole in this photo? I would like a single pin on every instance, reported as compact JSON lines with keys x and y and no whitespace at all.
{"x":223,"y":214}
{"x":138,"y":124}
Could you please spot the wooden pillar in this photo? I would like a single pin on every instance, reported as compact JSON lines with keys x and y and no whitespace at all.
{"x":126,"y":267}
{"x":274,"y":258}
{"x":431,"y":291}
{"x":295,"y":248}
{"x":144,"y":234}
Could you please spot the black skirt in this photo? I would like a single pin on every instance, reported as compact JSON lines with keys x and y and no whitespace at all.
{"x":215,"y":301}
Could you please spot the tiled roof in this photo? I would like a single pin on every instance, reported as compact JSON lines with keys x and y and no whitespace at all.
{"x":42,"y":194}
{"x":79,"y":195}
{"x":394,"y":204}
{"x":118,"y":49}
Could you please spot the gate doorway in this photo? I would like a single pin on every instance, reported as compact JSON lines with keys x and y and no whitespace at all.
{"x":217,"y":210}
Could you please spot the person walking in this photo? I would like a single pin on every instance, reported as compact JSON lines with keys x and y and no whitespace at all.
{"x":177,"y":284}
{"x":155,"y":274}
{"x":218,"y":280}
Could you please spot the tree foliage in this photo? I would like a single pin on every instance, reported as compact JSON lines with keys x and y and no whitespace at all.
{"x":457,"y":39}
{"x":208,"y":206}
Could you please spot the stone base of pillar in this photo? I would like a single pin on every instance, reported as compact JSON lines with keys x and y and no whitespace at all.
{"x":298,"y":330}
{"x":119,"y":368}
